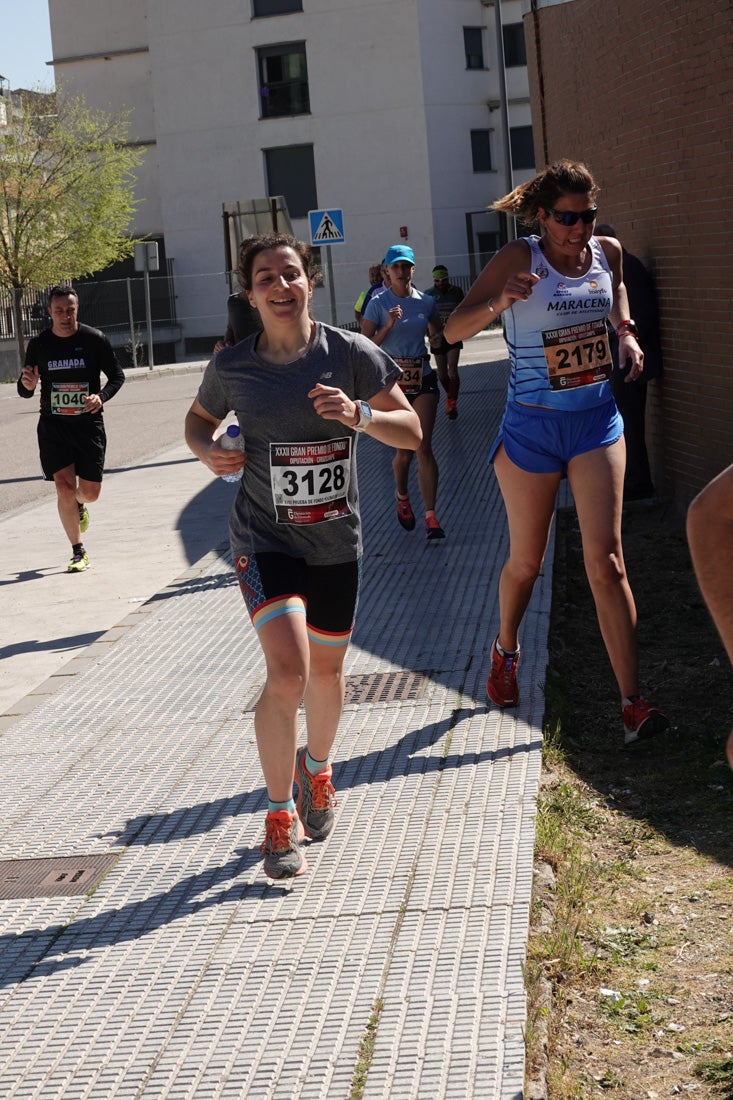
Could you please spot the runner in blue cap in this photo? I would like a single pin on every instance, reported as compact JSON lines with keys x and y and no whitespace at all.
{"x":398,"y":320}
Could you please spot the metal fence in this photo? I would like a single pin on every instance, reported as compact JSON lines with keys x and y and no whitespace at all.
{"x":119,"y":308}
{"x":33,"y":311}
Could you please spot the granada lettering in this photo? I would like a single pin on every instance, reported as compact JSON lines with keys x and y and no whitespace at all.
{"x":65,"y":364}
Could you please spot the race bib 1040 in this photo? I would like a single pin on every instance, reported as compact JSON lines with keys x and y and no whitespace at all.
{"x":67,"y":398}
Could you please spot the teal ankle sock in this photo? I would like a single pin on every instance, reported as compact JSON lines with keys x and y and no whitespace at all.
{"x":315,"y":766}
{"x":272,"y":807}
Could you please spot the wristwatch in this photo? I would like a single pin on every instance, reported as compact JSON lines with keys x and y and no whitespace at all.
{"x":364,"y":414}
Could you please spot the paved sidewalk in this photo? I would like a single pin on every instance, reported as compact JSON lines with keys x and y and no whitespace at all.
{"x":185,"y":973}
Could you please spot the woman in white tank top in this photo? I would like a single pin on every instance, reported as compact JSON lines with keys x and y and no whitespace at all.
{"x":555,"y":292}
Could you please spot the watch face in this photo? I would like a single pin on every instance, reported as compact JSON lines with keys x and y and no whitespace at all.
{"x":365,"y":415}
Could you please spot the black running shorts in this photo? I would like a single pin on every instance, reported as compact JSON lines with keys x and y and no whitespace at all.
{"x":277,"y":584}
{"x":81,"y":444}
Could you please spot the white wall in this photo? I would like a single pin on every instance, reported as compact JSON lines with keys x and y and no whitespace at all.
{"x":113,"y":75}
{"x":392,"y":106}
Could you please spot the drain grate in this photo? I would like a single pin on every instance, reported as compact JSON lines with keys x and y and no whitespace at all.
{"x":385,"y":687}
{"x":376,"y":687}
{"x":65,"y":876}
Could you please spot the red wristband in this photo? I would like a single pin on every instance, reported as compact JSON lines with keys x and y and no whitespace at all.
{"x":627,"y":326}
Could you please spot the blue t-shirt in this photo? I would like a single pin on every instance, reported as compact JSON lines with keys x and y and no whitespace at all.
{"x":406,"y":340}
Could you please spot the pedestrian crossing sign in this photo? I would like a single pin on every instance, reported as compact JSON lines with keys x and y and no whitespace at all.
{"x":326,"y":226}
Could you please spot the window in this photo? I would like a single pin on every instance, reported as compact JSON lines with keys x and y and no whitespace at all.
{"x":527,"y":230}
{"x":520,"y":138}
{"x":481,"y":150}
{"x":515,"y":51}
{"x":291,"y":172}
{"x":488,"y":244}
{"x":275,"y":7}
{"x":474,"y":47}
{"x":283,"y":80}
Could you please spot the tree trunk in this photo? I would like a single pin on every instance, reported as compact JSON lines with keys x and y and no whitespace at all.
{"x":18,"y":317}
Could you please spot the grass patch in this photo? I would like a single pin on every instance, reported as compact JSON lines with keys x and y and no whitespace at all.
{"x":366,"y":1051}
{"x":718,"y":1072}
{"x":629,"y":971}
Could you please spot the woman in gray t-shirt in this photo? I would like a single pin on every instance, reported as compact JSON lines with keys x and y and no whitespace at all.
{"x":301,"y":391}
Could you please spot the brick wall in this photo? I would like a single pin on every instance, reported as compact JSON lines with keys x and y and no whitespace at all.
{"x":642,"y":91}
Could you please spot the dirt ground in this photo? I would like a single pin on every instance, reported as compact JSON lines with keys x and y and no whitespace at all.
{"x":647,"y":1010}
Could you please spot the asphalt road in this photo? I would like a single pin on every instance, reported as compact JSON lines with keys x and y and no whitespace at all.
{"x":144,"y":418}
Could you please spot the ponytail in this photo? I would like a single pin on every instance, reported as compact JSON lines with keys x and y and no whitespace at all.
{"x":565,"y":177}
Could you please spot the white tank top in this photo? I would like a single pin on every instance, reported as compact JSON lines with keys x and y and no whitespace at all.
{"x":557,"y":339}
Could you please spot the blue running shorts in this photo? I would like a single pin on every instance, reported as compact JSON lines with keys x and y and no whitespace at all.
{"x":543,"y":441}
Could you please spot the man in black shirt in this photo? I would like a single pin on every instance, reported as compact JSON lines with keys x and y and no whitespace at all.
{"x":242,"y":321}
{"x":631,"y":396}
{"x":447,"y":297}
{"x":68,"y":359}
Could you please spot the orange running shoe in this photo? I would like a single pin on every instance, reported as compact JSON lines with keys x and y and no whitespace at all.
{"x":316,"y":799}
{"x":284,"y":857}
{"x":501,"y":686}
{"x":405,"y":514}
{"x":433,"y":530}
{"x":642,"y":720}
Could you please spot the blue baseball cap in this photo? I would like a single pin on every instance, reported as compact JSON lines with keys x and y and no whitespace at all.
{"x":399,"y":252}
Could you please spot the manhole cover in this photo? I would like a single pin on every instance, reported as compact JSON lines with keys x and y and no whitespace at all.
{"x":376,"y":687}
{"x":64,"y":876}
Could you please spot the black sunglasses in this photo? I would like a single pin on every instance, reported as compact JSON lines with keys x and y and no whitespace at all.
{"x":570,"y":217}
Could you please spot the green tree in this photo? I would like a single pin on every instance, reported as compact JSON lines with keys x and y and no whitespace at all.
{"x":67,"y":177}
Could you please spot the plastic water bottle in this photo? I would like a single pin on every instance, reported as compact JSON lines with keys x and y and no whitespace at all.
{"x":232,"y":440}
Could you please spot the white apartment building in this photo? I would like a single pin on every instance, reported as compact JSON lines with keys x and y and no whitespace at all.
{"x":396,"y":112}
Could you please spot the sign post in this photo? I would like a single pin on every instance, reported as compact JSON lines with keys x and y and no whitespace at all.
{"x":146,"y":260}
{"x":133,"y":349}
{"x":327,"y":228}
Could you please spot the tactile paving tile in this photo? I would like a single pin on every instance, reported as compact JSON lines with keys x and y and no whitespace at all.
{"x":186,"y":973}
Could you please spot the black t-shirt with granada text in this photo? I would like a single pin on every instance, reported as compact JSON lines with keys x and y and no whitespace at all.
{"x":70,"y":367}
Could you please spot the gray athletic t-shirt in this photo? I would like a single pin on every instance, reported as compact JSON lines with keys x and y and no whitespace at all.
{"x":298,"y":494}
